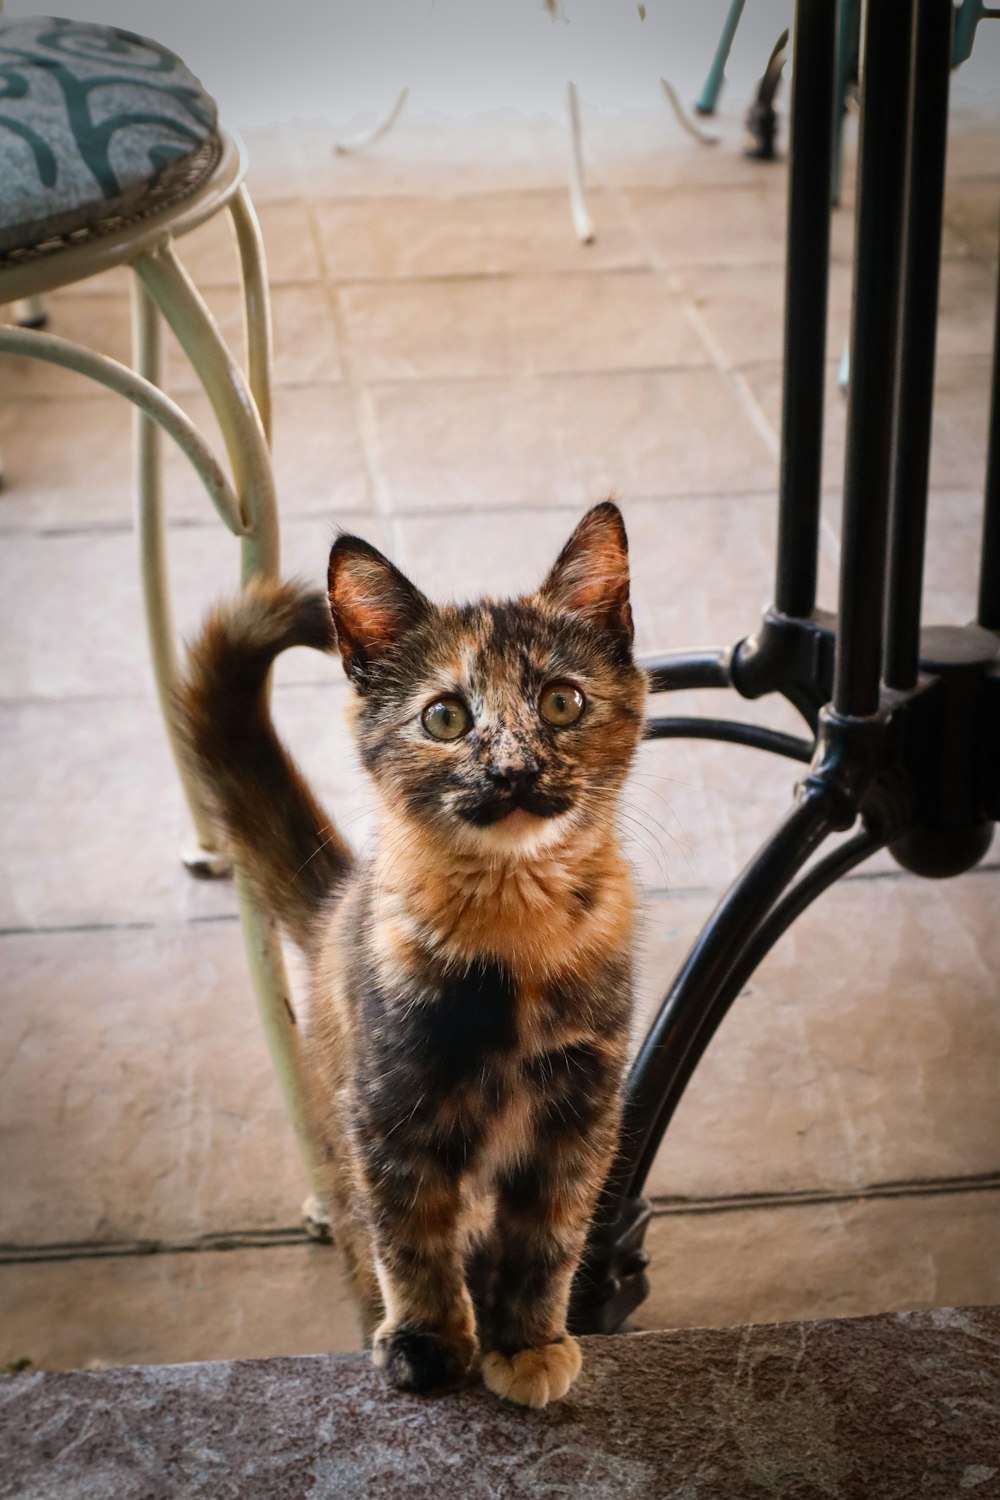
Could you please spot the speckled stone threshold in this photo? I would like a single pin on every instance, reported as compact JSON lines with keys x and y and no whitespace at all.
{"x":886,"y":1408}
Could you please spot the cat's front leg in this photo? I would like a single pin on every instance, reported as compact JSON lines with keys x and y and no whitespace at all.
{"x":543,"y":1210}
{"x":427,"y":1339}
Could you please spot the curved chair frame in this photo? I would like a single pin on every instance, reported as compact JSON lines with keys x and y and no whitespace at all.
{"x":245,"y":501}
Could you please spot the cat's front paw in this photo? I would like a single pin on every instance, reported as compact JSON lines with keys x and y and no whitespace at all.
{"x":534,"y":1377}
{"x":415,"y":1359}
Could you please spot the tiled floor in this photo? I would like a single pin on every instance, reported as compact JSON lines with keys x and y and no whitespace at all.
{"x":456,"y":379}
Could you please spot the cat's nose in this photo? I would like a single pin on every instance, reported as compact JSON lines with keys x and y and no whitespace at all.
{"x":514,"y":775}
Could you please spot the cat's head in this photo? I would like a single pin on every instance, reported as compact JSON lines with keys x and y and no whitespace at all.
{"x":501,"y":726}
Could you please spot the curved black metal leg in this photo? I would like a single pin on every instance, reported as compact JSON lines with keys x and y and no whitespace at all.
{"x":610,"y":1282}
{"x":733,"y":732}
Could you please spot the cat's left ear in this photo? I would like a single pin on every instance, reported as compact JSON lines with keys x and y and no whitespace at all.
{"x":590,"y":576}
{"x":372,"y":603}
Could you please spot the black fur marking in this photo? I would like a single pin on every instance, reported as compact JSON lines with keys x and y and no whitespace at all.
{"x":418,"y":1361}
{"x":453,"y":1153}
{"x":468,"y":1025}
{"x":524,"y":1191}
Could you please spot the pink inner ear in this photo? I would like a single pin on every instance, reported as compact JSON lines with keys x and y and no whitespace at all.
{"x":591,"y":576}
{"x":372,"y":603}
{"x":364,"y":600}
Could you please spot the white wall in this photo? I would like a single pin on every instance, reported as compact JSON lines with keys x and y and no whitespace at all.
{"x":289,"y":58}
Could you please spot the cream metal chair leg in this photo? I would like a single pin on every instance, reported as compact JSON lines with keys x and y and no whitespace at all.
{"x":207,"y":859}
{"x":253,"y":497}
{"x":582,"y":222}
{"x":179,"y":301}
{"x":365,"y":138}
{"x":256,"y":305}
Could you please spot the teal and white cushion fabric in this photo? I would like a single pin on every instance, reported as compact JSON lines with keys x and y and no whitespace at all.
{"x":98,"y":127}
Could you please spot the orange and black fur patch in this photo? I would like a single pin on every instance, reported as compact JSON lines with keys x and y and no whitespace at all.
{"x":471,"y":979}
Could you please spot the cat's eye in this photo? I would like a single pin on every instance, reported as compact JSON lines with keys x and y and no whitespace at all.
{"x":561,"y":704}
{"x":446,"y":719}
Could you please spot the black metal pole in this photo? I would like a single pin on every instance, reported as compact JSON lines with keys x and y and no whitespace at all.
{"x":806,"y":275}
{"x":989,"y":564}
{"x":874,"y":321}
{"x":927,"y":130}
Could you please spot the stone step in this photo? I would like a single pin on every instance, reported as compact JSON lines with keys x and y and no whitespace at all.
{"x":883,"y":1408}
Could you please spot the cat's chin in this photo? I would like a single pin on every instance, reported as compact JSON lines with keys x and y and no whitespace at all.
{"x":520,"y":832}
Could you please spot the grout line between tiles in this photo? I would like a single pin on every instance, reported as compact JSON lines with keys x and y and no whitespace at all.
{"x":675,"y":282}
{"x":663,"y":1207}
{"x":648,"y":895}
{"x":360,"y":399}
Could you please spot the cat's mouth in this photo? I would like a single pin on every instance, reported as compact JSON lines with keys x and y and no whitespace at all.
{"x":520,"y":807}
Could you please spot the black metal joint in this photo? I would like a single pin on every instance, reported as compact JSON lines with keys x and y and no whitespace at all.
{"x":786,"y":652}
{"x":611,"y":1281}
{"x":850,"y":753}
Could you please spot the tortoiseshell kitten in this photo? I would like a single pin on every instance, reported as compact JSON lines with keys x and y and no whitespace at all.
{"x":471,"y":979}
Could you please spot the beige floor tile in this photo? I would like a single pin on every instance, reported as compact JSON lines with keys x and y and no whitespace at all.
{"x":842,"y":1260}
{"x":209,"y":253}
{"x":101,"y":323}
{"x":305,"y":341}
{"x":65,"y":462}
{"x":951,"y":567}
{"x":93,"y":818}
{"x":468,"y":235}
{"x":93,"y":821}
{"x":958,"y":450}
{"x":68,"y":462}
{"x":649,"y":149}
{"x":438,"y":157}
{"x":972,"y":209}
{"x":566,"y":440}
{"x":319,"y":463}
{"x":862,"y":1052}
{"x":702,"y":566}
{"x":695,"y":811}
{"x":973,"y":131}
{"x":171,"y":1309}
{"x":744,"y":308}
{"x":151,"y":1112}
{"x":526,"y":325}
{"x":743,"y":226}
{"x":90,"y":641}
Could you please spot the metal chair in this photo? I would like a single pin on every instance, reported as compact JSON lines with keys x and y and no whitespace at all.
{"x":110,"y":152}
{"x":903,"y":743}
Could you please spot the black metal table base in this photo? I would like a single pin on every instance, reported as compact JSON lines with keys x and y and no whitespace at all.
{"x":903,"y":725}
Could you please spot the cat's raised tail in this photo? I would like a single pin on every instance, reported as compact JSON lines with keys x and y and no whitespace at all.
{"x":280,"y":837}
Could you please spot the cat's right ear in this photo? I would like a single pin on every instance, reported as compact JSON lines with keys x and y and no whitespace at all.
{"x":373,"y":605}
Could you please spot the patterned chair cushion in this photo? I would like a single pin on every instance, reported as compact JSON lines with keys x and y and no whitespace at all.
{"x":97,"y":127}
